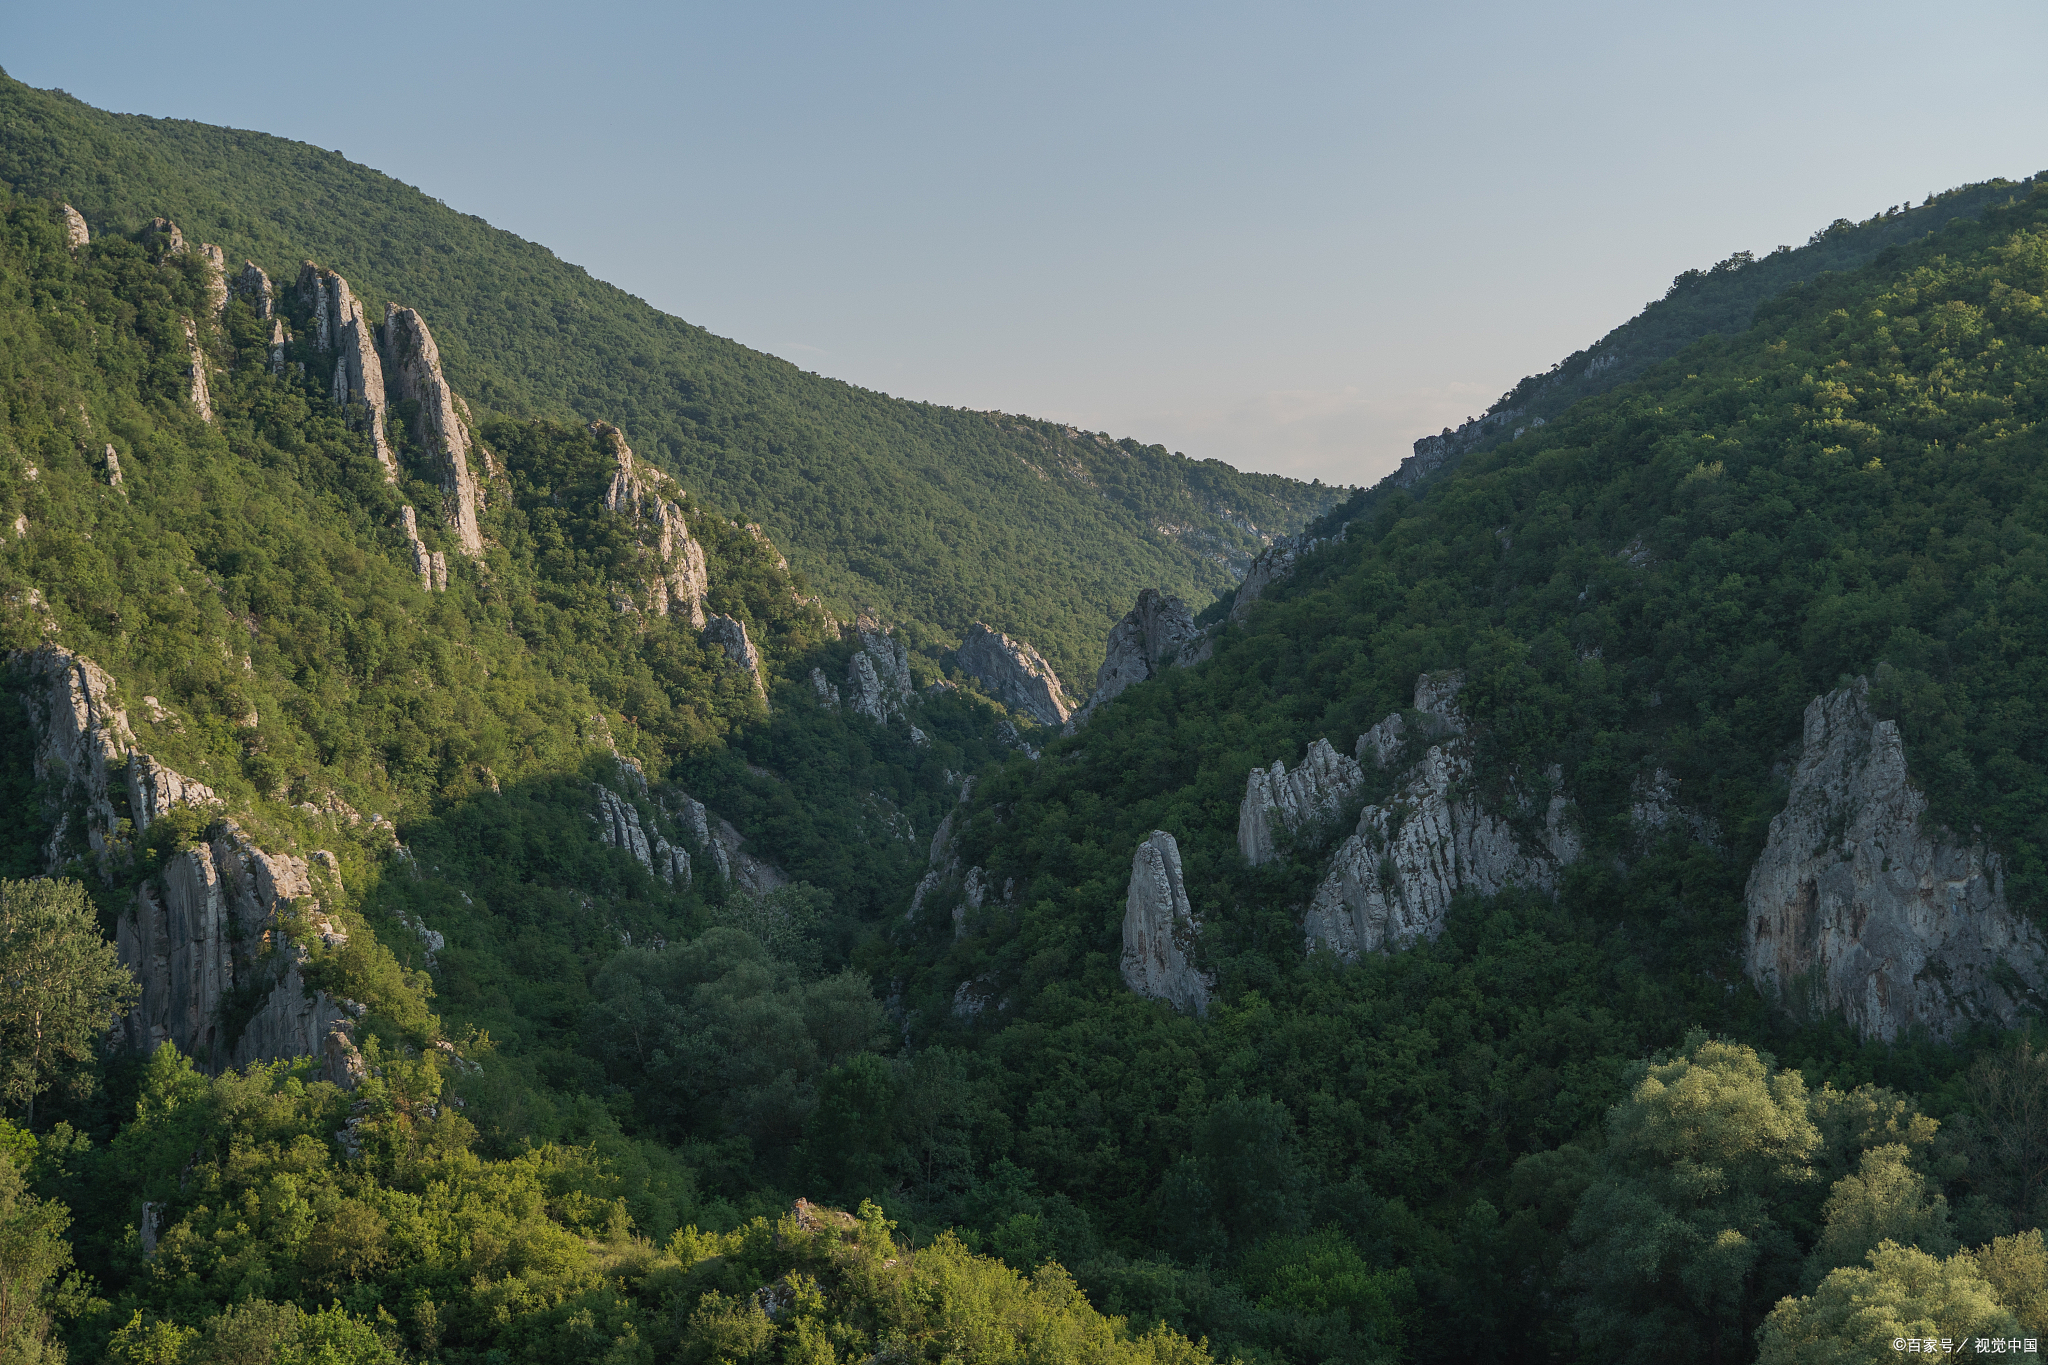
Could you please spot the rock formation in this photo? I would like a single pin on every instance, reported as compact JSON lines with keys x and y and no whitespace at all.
{"x":1155,"y":635}
{"x":1278,"y":802}
{"x":279,"y":339}
{"x":414,"y":369}
{"x":430,"y":565}
{"x":828,"y":693}
{"x":253,"y":284}
{"x":202,"y":401}
{"x":112,"y":460}
{"x":218,"y":923}
{"x":340,"y":326}
{"x":162,"y":238}
{"x":75,"y":233}
{"x":216,"y":267}
{"x":1014,"y":674}
{"x":1868,"y":912}
{"x":878,"y":677}
{"x":1390,"y":884}
{"x":1276,"y":563}
{"x":1160,"y":930}
{"x":619,"y":827}
{"x":731,"y":636}
{"x":679,"y":579}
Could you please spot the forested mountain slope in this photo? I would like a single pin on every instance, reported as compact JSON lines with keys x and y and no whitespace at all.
{"x":934,"y":517}
{"x":1600,"y":770}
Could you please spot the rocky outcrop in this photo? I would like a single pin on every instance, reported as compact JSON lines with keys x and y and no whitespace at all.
{"x":413,"y":367}
{"x":878,"y":682}
{"x":1391,"y":882}
{"x":217,"y":925}
{"x":279,"y":339}
{"x":1869,"y":912}
{"x":1433,"y":453}
{"x":1278,"y":803}
{"x":1015,"y":674}
{"x":678,"y":580}
{"x":253,"y":285}
{"x":110,"y":459}
{"x":1275,"y":564}
{"x":1160,"y":930}
{"x":162,"y":238}
{"x":76,"y":234}
{"x":216,"y":269}
{"x":340,"y":326}
{"x":730,"y":636}
{"x":1155,"y":635}
{"x":202,"y":401}
{"x":430,"y":565}
{"x":215,"y":929}
{"x":619,"y":827}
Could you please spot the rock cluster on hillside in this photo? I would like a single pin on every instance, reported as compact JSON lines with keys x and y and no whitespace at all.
{"x":221,"y":918}
{"x":1156,"y":634}
{"x":1278,"y":802}
{"x":1871,"y":913}
{"x":676,"y":580}
{"x":878,"y":683}
{"x":339,"y":325}
{"x":1160,"y":930}
{"x":1014,"y":673}
{"x":76,"y":234}
{"x":414,"y":371}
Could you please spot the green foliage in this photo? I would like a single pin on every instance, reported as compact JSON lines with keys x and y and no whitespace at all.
{"x":923,"y":514}
{"x":1858,"y":1312}
{"x":64,"y":986}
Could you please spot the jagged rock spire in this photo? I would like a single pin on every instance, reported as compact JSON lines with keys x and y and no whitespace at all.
{"x":75,"y":232}
{"x":416,"y":374}
{"x":339,"y":326}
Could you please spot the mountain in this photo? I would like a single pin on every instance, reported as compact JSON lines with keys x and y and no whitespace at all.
{"x":1581,"y":900}
{"x":928,"y":516}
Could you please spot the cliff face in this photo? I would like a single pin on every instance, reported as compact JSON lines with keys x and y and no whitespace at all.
{"x":1868,"y":912}
{"x":1015,"y":674}
{"x":878,"y":677}
{"x":210,"y":939}
{"x":1155,"y":635}
{"x":677,"y":579}
{"x":414,"y":370}
{"x":730,"y":635}
{"x":76,"y":234}
{"x":1160,"y":929}
{"x":339,"y":326}
{"x":1391,"y":882}
{"x":1278,"y":802}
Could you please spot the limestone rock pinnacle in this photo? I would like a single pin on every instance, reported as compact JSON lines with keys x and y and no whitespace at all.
{"x":1155,"y":635}
{"x":340,"y":326}
{"x":76,"y":234}
{"x":1160,"y":929}
{"x":415,"y":372}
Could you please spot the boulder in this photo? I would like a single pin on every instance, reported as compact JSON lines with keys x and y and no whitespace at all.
{"x":1278,"y":802}
{"x":1871,"y":913}
{"x":1014,"y":673}
{"x":1160,"y":930}
{"x":414,"y":370}
{"x":1155,"y":635}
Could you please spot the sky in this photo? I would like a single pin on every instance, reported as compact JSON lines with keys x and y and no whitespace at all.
{"x":1294,"y":237}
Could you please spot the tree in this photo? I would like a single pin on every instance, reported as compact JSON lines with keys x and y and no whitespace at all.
{"x":62,"y":985}
{"x":1859,"y":1311}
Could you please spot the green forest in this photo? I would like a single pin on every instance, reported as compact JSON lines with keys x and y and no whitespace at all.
{"x":608,"y":1114}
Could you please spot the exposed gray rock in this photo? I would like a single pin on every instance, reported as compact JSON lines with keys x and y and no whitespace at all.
{"x":202,"y":401}
{"x":162,"y":238}
{"x":1015,"y":674}
{"x":431,"y":567}
{"x":731,"y":636}
{"x":1384,"y":741}
{"x":1008,"y":734}
{"x":828,"y":693}
{"x":216,"y":267}
{"x":878,"y":677}
{"x":1654,"y":806}
{"x":279,"y":339}
{"x":943,"y":864}
{"x":619,"y":826}
{"x":217,"y":926}
{"x":1390,"y":884}
{"x":76,"y":234}
{"x":685,"y":578}
{"x":154,"y":791}
{"x":761,"y":538}
{"x":1870,"y":913}
{"x":340,"y":326}
{"x":679,"y":579}
{"x":1160,"y":930}
{"x":1276,"y":563}
{"x":82,"y":746}
{"x":1278,"y":802}
{"x":112,"y":460}
{"x":414,"y":370}
{"x":253,"y":284}
{"x":1155,"y":635}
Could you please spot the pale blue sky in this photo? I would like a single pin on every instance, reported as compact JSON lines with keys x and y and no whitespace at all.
{"x":1293,"y":237}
